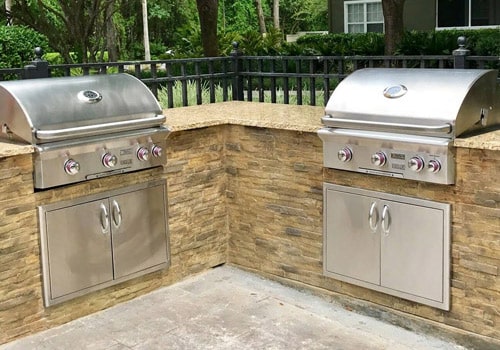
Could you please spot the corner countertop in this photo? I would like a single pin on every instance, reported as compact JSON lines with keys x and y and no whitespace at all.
{"x":265,"y":115}
{"x":488,"y":141}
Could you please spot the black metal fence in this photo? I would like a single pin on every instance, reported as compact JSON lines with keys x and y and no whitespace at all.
{"x":277,"y":79}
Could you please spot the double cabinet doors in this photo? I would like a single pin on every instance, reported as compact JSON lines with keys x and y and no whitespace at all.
{"x":94,"y":242}
{"x":394,"y":244}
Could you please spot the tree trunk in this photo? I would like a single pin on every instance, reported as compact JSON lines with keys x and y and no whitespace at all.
{"x":276,"y":14}
{"x":207,"y":11}
{"x":8,"y":12}
{"x":111,"y":44}
{"x":260,"y":16}
{"x":145,"y":28}
{"x":394,"y":27}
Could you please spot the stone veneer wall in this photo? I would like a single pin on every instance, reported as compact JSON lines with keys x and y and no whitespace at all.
{"x":196,"y":183}
{"x":275,"y":217}
{"x":261,"y":191}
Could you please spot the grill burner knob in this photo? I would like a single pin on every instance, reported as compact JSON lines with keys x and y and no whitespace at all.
{"x":416,"y":163}
{"x":379,"y":158}
{"x":345,"y":154}
{"x":434,"y":166}
{"x":156,"y":151}
{"x":143,"y":154}
{"x":109,"y":160}
{"x":71,"y":167}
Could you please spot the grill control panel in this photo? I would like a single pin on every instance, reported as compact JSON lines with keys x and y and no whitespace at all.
{"x":419,"y":158}
{"x":88,"y":159}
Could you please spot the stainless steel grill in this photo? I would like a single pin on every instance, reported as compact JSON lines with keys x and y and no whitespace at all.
{"x":402,"y":122}
{"x":84,"y":127}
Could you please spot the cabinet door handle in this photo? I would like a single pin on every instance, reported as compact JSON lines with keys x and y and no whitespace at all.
{"x":104,"y":219}
{"x":386,"y":220}
{"x":116,"y":213}
{"x":373,"y":217}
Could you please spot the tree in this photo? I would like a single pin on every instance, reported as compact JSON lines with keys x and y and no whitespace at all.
{"x":394,"y":27}
{"x":260,"y":16}
{"x":71,"y":25}
{"x":207,"y":12}
{"x":276,"y":14}
{"x":8,"y":11}
{"x":147,"y":52}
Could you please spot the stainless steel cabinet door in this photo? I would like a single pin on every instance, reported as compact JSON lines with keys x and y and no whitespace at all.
{"x":139,"y":230}
{"x":412,"y":249}
{"x":352,"y":243}
{"x":79,"y":247}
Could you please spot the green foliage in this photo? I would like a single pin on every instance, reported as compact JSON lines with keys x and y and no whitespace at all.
{"x":482,"y":42}
{"x":252,"y":43}
{"x":304,"y":15}
{"x":237,"y":16}
{"x":17,"y":44}
{"x":342,"y":44}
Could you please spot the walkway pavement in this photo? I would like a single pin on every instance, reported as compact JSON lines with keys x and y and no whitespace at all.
{"x":226,"y":308}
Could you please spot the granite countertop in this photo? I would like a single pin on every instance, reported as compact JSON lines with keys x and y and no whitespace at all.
{"x":8,"y":149}
{"x":264,"y":115}
{"x":490,"y":141}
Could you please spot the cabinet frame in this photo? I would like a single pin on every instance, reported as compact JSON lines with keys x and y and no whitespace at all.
{"x":361,"y":222}
{"x":157,"y":188}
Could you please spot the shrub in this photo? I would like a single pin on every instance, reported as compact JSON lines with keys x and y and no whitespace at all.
{"x":481,"y":42}
{"x":17,"y":44}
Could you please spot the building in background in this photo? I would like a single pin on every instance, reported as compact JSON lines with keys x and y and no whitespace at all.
{"x":361,"y":16}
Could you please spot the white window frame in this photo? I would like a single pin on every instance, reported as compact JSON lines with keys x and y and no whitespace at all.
{"x":365,"y":21}
{"x":468,"y":26}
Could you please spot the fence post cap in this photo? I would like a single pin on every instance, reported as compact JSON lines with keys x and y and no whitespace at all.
{"x":235,"y":51}
{"x":461,"y":51}
{"x":38,"y":53}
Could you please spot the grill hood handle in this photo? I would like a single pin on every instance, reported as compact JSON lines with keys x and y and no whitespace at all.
{"x":330,"y":121}
{"x":99,"y":129}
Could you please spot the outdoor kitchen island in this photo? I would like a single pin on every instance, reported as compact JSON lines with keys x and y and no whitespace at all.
{"x":244,"y":183}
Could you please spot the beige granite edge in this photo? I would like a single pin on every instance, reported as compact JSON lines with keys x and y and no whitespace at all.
{"x":487,"y":141}
{"x":12,"y":149}
{"x":264,"y":115}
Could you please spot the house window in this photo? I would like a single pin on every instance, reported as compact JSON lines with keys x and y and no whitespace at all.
{"x":363,"y":16}
{"x":468,"y":13}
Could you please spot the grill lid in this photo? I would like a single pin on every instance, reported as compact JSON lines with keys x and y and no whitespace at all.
{"x":52,"y":109}
{"x":432,"y":102}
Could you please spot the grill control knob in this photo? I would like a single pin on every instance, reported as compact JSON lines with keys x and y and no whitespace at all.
{"x":156,"y":151}
{"x":345,"y":154}
{"x":379,"y":158}
{"x":71,"y":167}
{"x":433,"y":166}
{"x":109,"y":160}
{"x":416,"y":163}
{"x":143,"y":154}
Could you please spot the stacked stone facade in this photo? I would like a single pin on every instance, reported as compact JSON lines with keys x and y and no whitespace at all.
{"x":280,"y":174}
{"x":252,"y":197}
{"x":196,"y":183}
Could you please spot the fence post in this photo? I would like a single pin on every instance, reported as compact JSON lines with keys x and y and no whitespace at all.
{"x":236,"y":53}
{"x":460,"y":54}
{"x":38,"y":68}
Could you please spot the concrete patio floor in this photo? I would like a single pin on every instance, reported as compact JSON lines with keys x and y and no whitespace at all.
{"x":227,"y":308}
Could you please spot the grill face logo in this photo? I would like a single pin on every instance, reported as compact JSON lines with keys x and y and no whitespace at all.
{"x":89,"y":96}
{"x":395,"y":91}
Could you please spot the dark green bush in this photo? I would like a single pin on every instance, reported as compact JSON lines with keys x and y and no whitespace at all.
{"x":342,"y":44}
{"x":481,"y":42}
{"x":17,"y":44}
